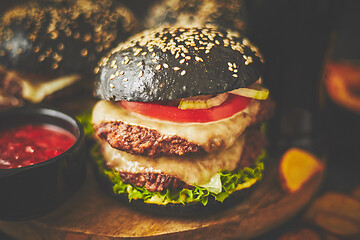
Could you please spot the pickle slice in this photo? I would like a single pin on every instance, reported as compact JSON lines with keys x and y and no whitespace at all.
{"x":255,"y":91}
{"x":203,"y":103}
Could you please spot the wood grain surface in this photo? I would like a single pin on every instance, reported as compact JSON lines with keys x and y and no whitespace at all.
{"x":92,"y":215}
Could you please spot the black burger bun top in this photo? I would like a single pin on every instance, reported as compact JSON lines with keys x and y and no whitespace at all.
{"x":228,"y":14}
{"x":172,"y":63}
{"x":62,"y":37}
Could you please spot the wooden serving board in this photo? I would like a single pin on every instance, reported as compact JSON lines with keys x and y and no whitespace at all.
{"x":92,"y":215}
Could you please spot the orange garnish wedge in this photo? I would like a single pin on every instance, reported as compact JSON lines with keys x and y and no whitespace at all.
{"x":297,"y":167}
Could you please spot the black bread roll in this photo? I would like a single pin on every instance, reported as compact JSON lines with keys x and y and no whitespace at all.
{"x":229,"y":14}
{"x":139,"y":7}
{"x":62,"y":37}
{"x":172,"y":63}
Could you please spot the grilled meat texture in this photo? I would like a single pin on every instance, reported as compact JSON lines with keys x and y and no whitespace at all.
{"x":157,"y":182}
{"x":144,"y":141}
{"x":266,"y":111}
{"x":9,"y":85}
{"x":154,"y":182}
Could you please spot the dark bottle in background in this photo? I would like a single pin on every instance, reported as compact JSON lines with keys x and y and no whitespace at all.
{"x":294,"y":37}
{"x":342,"y":119}
{"x":298,"y":40}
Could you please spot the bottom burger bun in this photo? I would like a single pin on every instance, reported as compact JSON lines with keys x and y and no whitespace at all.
{"x":193,"y":210}
{"x":131,"y":195}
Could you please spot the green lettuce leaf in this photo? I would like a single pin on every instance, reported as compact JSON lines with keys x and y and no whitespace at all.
{"x":214,"y":185}
{"x":230,"y":182}
{"x":85,"y":118}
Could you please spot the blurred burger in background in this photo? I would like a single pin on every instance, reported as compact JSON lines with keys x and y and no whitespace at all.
{"x":228,"y":14}
{"x":134,"y":5}
{"x":48,"y":48}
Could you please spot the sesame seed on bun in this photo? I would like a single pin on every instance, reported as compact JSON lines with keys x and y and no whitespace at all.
{"x":61,"y":37}
{"x":173,"y":63}
{"x":229,"y":14}
{"x":48,"y":49}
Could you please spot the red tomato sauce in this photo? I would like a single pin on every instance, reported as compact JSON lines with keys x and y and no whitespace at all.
{"x":30,"y":144}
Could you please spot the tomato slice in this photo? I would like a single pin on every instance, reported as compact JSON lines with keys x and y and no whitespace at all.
{"x":231,"y":106}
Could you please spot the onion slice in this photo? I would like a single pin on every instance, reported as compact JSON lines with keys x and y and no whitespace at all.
{"x":203,"y":103}
{"x":255,"y":91}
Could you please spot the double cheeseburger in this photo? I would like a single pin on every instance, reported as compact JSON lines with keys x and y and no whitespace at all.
{"x":47,"y":47}
{"x":179,"y":123}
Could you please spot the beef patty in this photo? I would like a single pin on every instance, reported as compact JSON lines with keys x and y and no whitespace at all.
{"x":144,"y":141}
{"x":157,"y":182}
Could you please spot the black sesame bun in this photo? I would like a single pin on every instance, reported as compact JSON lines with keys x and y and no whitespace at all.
{"x":173,"y":63}
{"x":61,"y":37}
{"x":139,"y":7}
{"x":45,"y":40}
{"x":229,"y":14}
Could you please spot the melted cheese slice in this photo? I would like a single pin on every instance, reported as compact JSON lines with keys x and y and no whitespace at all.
{"x":195,"y":169}
{"x":35,"y":90}
{"x":210,"y":136}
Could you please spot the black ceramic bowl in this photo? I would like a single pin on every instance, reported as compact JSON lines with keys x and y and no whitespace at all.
{"x":34,"y":190}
